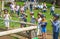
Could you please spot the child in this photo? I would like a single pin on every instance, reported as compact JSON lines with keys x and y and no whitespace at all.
{"x":17,"y":8}
{"x":25,"y":20}
{"x":31,"y":7}
{"x":52,"y":10}
{"x":43,"y":26}
{"x":39,"y":25}
{"x":55,"y":24}
{"x":33,"y":20}
{"x":22,"y":8}
{"x":12,"y":7}
{"x":25,"y":7}
{"x":6,"y":18}
{"x":22,"y":15}
{"x":44,"y":7}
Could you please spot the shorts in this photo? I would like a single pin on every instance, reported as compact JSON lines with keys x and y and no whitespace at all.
{"x":43,"y":30}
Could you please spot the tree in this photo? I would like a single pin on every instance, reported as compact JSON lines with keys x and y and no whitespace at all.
{"x":58,"y":2}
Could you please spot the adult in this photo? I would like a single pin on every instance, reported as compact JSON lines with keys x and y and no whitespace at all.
{"x":55,"y":24}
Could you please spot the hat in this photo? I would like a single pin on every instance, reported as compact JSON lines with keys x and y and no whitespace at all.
{"x":56,"y":15}
{"x":42,"y":16}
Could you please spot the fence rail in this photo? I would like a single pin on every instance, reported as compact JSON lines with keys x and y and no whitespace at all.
{"x":17,"y":30}
{"x":18,"y":22}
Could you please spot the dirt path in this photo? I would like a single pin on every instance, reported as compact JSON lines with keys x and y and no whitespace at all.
{"x":49,"y":36}
{"x":8,"y":37}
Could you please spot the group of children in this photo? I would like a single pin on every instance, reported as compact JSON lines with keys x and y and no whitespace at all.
{"x":41,"y":20}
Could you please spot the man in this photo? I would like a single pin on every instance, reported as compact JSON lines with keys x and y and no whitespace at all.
{"x":55,"y":24}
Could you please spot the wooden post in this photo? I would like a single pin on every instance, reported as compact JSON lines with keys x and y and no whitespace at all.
{"x":2,"y":4}
{"x":30,"y":35}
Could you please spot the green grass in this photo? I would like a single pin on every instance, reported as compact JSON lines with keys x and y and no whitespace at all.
{"x":20,"y":3}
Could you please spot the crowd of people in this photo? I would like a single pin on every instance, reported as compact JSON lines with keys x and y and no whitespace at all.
{"x":41,"y":20}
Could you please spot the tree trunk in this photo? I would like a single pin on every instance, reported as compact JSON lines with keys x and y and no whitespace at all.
{"x":58,"y":2}
{"x":2,"y":5}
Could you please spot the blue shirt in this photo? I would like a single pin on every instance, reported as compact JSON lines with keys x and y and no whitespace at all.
{"x":33,"y":20}
{"x":43,"y":24}
{"x":56,"y":25}
{"x":24,"y":19}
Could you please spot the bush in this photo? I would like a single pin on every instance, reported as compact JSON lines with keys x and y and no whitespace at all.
{"x":7,"y":4}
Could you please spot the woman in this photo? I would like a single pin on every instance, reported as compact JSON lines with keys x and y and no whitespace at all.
{"x":43,"y":26}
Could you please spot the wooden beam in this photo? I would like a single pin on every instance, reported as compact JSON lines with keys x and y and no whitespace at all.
{"x":23,"y":34}
{"x":15,"y":35}
{"x":17,"y":30}
{"x":19,"y":22}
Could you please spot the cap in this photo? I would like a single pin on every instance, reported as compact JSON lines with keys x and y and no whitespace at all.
{"x":42,"y":16}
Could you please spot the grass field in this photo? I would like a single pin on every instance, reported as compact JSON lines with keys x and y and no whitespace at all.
{"x":48,"y":16}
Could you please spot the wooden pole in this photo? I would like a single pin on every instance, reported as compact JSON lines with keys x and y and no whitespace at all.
{"x":2,"y":4}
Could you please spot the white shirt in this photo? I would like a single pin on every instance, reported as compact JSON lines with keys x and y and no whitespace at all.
{"x":53,"y":8}
{"x":22,"y":9}
{"x":41,"y":6}
{"x":17,"y":8}
{"x":39,"y":20}
{"x":12,"y":6}
{"x":6,"y":16}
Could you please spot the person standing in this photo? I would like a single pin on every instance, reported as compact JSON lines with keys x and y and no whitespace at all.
{"x":12,"y":7}
{"x":24,"y":20}
{"x":52,"y":10}
{"x":43,"y":26}
{"x":44,"y":7}
{"x":17,"y":9}
{"x":55,"y":24}
{"x":31,"y":7}
{"x":39,"y":25}
{"x":6,"y":19}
